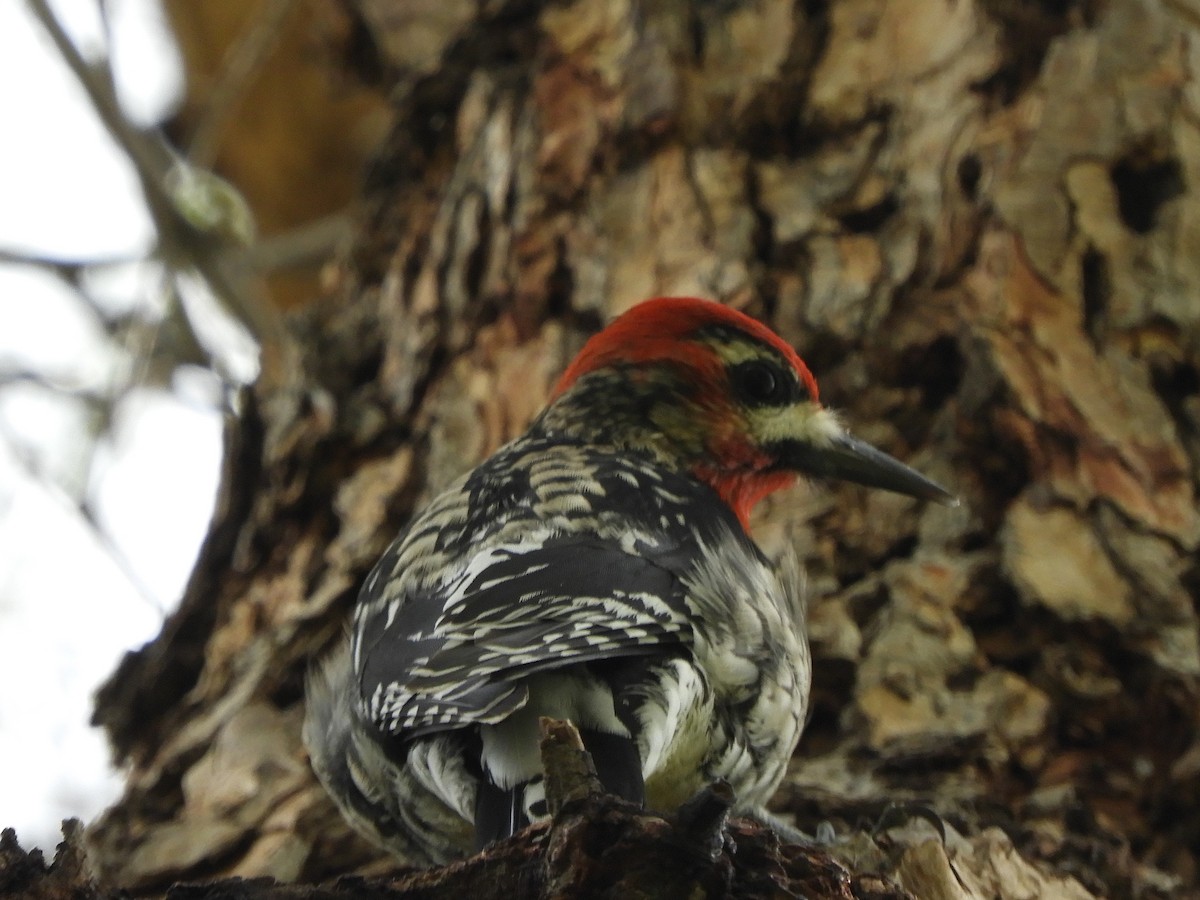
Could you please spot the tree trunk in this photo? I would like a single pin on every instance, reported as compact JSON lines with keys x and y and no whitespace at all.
{"x":975,"y":219}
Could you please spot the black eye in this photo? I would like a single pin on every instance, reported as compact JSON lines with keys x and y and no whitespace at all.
{"x":761,"y":383}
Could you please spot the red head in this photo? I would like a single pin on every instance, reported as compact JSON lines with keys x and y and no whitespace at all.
{"x":663,"y":328}
{"x":721,"y":395}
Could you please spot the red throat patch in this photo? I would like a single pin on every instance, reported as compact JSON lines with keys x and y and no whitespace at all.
{"x":742,"y":490}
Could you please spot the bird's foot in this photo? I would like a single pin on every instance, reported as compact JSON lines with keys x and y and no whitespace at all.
{"x":790,"y":834}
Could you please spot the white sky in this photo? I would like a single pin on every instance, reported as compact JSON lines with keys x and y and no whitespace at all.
{"x":67,"y":610}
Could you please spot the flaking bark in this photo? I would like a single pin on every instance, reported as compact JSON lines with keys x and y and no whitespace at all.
{"x":976,"y":221}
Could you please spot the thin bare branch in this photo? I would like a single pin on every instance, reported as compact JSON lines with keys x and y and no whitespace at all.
{"x":309,"y":244}
{"x":181,"y":243}
{"x":26,"y":458}
{"x":97,"y":401}
{"x":68,"y":269}
{"x":150,"y":155}
{"x":241,"y":62}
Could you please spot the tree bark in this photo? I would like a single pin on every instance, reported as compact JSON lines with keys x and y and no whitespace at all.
{"x":976,"y":220}
{"x":595,"y":845}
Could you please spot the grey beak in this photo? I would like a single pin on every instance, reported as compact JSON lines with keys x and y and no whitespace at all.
{"x":849,"y":459}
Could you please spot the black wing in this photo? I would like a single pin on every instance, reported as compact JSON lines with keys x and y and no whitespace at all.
{"x":455,"y":656}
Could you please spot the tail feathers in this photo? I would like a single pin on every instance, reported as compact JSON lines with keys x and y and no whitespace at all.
{"x":386,"y":797}
{"x":618,"y":765}
{"x":500,"y":812}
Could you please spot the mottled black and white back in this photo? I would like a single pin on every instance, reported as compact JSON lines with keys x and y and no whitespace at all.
{"x":558,"y":580}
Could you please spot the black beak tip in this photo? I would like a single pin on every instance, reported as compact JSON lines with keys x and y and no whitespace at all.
{"x":947,"y":499}
{"x":916,"y":485}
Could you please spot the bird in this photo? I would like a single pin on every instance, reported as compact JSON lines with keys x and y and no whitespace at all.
{"x":600,"y":569}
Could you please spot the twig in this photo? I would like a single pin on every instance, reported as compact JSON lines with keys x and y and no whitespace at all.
{"x":703,"y":818}
{"x":180,"y":243}
{"x":26,"y":459}
{"x":151,"y":158}
{"x":94,"y":400}
{"x":67,"y":269}
{"x":569,"y":771}
{"x":309,"y":243}
{"x":240,"y":62}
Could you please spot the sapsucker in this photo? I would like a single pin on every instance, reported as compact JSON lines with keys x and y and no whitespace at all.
{"x":599,"y":569}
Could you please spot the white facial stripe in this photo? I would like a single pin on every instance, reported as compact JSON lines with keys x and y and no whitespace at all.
{"x":804,"y":422}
